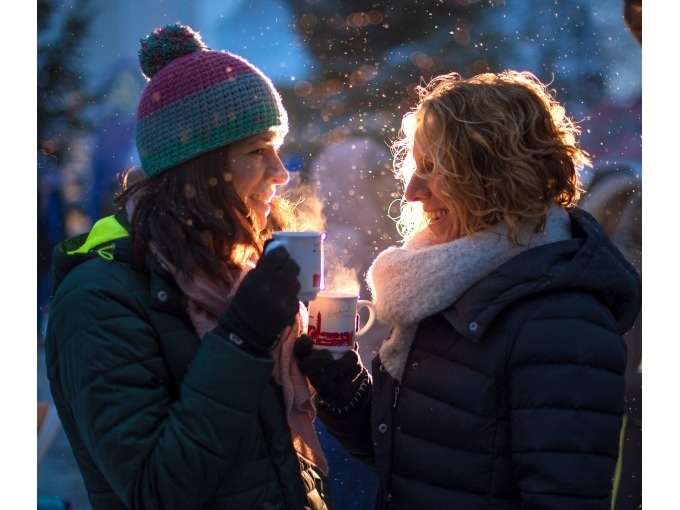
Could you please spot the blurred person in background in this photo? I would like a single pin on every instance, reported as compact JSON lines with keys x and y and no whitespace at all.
{"x":501,"y":384}
{"x":614,"y":198}
{"x":169,"y":344}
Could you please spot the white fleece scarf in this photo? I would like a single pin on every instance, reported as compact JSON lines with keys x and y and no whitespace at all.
{"x":414,"y":282}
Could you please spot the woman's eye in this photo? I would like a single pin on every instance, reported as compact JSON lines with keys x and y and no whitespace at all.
{"x":425,"y":168}
{"x":258,"y":152}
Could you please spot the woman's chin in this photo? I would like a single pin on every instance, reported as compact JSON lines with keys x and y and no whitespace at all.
{"x":259,"y":214}
{"x":442,"y":231}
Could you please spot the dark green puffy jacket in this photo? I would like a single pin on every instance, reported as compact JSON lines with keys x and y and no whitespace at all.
{"x":156,"y":418}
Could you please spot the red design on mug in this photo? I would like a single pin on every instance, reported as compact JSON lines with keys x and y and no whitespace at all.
{"x":326,"y":338}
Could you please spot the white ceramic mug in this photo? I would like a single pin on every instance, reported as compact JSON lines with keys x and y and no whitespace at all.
{"x":305,"y":248}
{"x":334,"y":321}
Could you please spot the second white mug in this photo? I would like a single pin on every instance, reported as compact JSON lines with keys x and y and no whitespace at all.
{"x":334,"y":321}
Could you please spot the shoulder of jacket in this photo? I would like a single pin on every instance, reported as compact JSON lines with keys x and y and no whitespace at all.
{"x":568,"y":324}
{"x":98,"y":270}
{"x":99,"y":277}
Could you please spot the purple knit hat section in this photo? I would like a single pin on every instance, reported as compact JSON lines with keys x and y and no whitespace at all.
{"x":198,"y":100}
{"x":206,"y":69}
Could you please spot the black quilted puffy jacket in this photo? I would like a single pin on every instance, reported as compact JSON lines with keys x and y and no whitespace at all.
{"x":512,"y":398}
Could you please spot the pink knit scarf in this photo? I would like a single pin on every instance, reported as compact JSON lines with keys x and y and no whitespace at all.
{"x":207,"y":299}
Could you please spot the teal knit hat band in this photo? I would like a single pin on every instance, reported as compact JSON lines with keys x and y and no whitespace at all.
{"x":198,"y":100}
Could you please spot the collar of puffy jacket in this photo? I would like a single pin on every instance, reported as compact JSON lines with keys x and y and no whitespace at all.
{"x":101,"y":238}
{"x":588,"y":262}
{"x":109,"y":239}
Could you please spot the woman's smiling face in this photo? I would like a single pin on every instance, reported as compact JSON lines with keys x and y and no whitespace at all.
{"x":425,"y":186}
{"x":255,"y":171}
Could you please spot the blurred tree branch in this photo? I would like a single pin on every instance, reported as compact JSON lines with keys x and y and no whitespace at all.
{"x":62,"y":87}
{"x":370,"y":56}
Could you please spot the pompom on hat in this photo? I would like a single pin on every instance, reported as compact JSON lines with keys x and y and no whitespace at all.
{"x":198,"y":99}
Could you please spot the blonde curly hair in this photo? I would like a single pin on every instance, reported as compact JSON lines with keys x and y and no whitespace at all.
{"x":506,"y":149}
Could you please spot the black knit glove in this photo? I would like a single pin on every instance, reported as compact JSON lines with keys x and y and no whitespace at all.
{"x":342,"y":384}
{"x":265,"y":302}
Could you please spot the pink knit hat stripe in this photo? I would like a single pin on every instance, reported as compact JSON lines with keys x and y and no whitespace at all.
{"x":206,"y":69}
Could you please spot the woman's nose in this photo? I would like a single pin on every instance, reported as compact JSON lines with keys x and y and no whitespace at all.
{"x":277,"y":172}
{"x":417,"y":189}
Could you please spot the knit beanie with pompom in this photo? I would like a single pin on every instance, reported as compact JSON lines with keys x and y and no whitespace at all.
{"x":198,"y":99}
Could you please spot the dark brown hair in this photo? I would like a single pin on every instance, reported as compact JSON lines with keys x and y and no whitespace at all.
{"x":195,"y":217}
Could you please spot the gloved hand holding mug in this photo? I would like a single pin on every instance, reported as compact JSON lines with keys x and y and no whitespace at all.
{"x":265,"y":303}
{"x":343,"y":384}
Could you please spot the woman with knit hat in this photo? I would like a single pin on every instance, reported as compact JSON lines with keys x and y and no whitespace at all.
{"x":169,"y":339}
